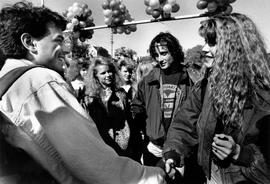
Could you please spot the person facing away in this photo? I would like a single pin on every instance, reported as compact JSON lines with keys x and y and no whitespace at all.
{"x":45,"y":119}
{"x":230,"y":120}
{"x":160,"y":94}
{"x":107,"y":104}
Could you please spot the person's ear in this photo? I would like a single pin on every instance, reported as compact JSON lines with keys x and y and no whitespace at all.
{"x":28,"y":42}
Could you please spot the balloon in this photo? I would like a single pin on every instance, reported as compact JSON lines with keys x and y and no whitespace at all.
{"x":120,"y":30}
{"x":79,"y":17}
{"x":113,"y":4}
{"x":91,"y":31}
{"x":107,"y":13}
{"x":82,"y":39}
{"x":116,"y":13}
{"x":107,"y":20}
{"x":76,"y":10}
{"x":114,"y":31}
{"x":76,"y":4}
{"x":82,"y":24}
{"x":146,"y":2}
{"x":84,"y":6}
{"x":70,"y":26}
{"x":105,"y":5}
{"x":65,"y":13}
{"x":87,"y":12}
{"x":167,"y":8}
{"x":148,"y":10}
{"x":127,"y":31}
{"x":133,"y":27}
{"x":175,"y":8}
{"x":89,"y":20}
{"x":154,"y":4}
{"x":228,"y":9}
{"x":202,"y":4}
{"x":116,"y":20}
{"x":212,"y":7}
{"x":70,"y":9}
{"x":75,"y":21}
{"x":89,"y":36}
{"x":166,"y":15}
{"x":156,"y":13}
{"x":122,"y":7}
{"x":70,"y":15}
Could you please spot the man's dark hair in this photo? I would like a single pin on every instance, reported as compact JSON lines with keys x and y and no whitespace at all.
{"x":23,"y":17}
{"x":172,"y":44}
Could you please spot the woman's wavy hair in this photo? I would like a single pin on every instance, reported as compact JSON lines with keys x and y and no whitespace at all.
{"x":241,"y":66}
{"x":93,"y":86}
{"x":172,"y":44}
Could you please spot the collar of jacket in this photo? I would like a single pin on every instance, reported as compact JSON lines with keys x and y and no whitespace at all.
{"x":154,"y":76}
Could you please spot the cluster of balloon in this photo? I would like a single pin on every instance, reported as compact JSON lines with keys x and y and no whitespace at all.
{"x":79,"y":17}
{"x":115,"y":14}
{"x":216,"y":6}
{"x":162,"y":8}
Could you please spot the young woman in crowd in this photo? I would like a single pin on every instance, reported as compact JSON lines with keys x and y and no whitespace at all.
{"x":230,"y":120}
{"x":106,"y":103}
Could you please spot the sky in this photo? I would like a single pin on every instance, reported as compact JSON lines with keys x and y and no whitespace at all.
{"x":185,"y":30}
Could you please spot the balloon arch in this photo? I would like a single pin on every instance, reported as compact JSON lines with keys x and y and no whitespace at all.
{"x":118,"y":19}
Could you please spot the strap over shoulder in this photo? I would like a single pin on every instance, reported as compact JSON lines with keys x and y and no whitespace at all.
{"x":9,"y":78}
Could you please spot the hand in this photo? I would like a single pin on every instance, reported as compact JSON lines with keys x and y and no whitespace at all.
{"x":224,"y":146}
{"x":154,"y":149}
{"x":170,"y":168}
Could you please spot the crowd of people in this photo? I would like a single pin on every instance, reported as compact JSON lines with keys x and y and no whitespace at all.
{"x":68,"y":118}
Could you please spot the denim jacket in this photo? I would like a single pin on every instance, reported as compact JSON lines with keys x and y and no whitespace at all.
{"x":51,"y":126}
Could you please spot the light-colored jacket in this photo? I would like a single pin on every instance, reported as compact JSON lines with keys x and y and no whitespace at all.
{"x":54,"y":129}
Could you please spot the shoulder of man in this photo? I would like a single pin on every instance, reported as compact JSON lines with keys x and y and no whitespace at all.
{"x":152,"y":76}
{"x":39,"y":75}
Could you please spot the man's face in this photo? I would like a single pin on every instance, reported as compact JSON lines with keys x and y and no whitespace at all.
{"x":49,"y":50}
{"x":163,"y":57}
{"x":126,"y":74}
{"x":209,"y":53}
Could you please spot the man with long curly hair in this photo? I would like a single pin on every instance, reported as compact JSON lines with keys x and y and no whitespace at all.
{"x":230,"y":121}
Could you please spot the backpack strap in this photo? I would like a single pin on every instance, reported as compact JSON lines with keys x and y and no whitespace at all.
{"x":9,"y":78}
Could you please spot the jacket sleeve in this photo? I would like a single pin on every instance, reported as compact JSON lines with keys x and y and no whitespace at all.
{"x":138,"y":109}
{"x":255,"y":158}
{"x":78,"y":143}
{"x":182,"y":134}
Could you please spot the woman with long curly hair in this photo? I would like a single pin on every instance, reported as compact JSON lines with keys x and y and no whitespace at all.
{"x":229,"y":115}
{"x":106,"y":103}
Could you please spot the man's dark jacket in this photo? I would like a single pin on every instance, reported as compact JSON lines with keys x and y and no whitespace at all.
{"x":146,"y":105}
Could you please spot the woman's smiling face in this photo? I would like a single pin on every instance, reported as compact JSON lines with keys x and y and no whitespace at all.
{"x":104,"y":75}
